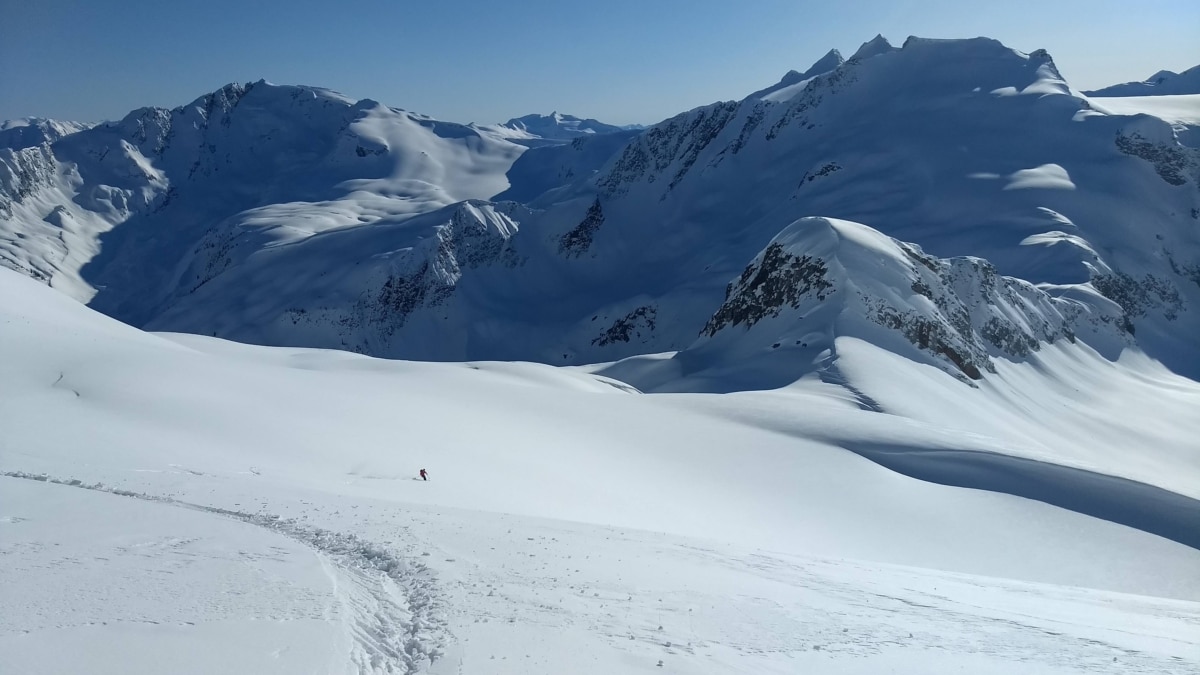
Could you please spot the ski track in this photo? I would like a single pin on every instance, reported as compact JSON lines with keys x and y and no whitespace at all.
{"x":394,"y":608}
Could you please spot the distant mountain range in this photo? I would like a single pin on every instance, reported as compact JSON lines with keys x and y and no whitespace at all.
{"x":31,"y":131}
{"x":563,"y":127}
{"x":1162,"y":83}
{"x":951,"y":200}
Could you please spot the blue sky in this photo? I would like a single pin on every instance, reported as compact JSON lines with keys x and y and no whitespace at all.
{"x":620,"y":61}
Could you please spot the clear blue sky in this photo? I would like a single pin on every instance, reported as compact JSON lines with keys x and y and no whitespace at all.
{"x":620,"y":61}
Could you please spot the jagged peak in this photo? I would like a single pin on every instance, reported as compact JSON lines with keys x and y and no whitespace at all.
{"x":831,"y":60}
{"x":873,"y":47}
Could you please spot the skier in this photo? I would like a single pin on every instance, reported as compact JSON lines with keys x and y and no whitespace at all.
{"x":424,"y":476}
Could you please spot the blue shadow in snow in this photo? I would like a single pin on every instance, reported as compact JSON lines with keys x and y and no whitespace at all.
{"x":1118,"y":500}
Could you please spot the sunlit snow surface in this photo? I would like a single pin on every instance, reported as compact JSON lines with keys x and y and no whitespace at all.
{"x":916,"y":465}
{"x":270,"y":520}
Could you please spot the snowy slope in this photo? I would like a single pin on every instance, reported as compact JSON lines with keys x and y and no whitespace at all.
{"x":884,"y":368}
{"x":1162,"y":83}
{"x":549,"y":167}
{"x":1182,"y":111}
{"x":88,"y":213}
{"x":570,"y":522}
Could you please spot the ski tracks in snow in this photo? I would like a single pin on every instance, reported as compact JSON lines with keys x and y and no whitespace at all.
{"x":392,"y":611}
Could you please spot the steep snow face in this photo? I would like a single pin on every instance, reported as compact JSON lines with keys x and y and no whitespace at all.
{"x":546,"y":168}
{"x":1162,"y":83}
{"x":109,"y":214}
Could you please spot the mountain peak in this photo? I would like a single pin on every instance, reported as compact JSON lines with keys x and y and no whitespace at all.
{"x":874,"y":46}
{"x":831,"y":60}
{"x":558,"y":126}
{"x":1162,"y":83}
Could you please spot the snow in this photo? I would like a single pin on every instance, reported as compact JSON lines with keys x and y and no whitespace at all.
{"x":565,"y":520}
{"x":873,"y":47}
{"x":1044,"y":177}
{"x":94,"y":581}
{"x":769,"y":441}
{"x":554,"y":127}
{"x":353,"y":235}
{"x":1183,"y":109}
{"x":794,"y":82}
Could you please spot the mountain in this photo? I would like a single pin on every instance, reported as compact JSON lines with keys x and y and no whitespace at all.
{"x":559,"y":127}
{"x":555,"y":165}
{"x":108,"y":214}
{"x":349,"y":229}
{"x":888,"y":367}
{"x":795,"y":81}
{"x":31,"y":131}
{"x":820,"y":280}
{"x":1162,"y":83}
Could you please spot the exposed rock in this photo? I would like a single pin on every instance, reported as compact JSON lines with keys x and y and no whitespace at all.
{"x":778,"y":279}
{"x":576,"y":242}
{"x":1138,"y":297}
{"x":1171,"y":163}
{"x":676,"y":142}
{"x":629,"y":326}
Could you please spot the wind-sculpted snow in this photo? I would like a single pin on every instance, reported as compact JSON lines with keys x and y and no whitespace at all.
{"x":1145,"y":507}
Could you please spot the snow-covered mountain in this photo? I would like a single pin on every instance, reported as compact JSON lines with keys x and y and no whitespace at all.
{"x":548,"y":167}
{"x":30,"y":131}
{"x":297,"y":217}
{"x":1162,"y":83}
{"x":130,"y":200}
{"x":557,"y":126}
{"x":949,"y":305}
